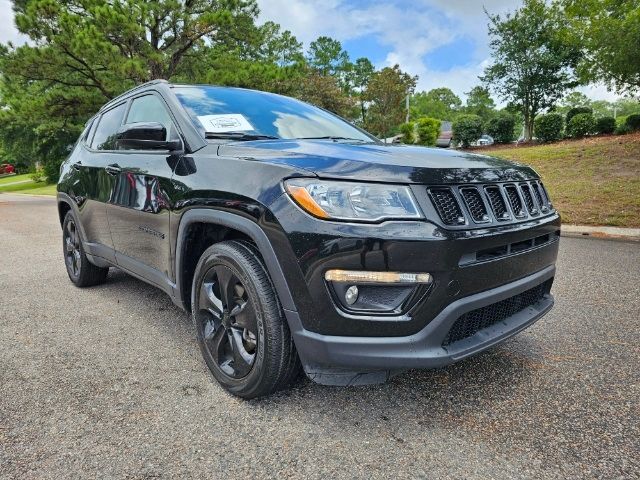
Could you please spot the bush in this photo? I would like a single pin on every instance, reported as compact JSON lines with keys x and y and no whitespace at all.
{"x":548,"y":128}
{"x":577,"y":111}
{"x":581,"y":125}
{"x":622,"y":129}
{"x":38,"y":176}
{"x":467,"y":129}
{"x":605,"y":125}
{"x":633,"y":122}
{"x":51,"y":170}
{"x":428,"y":131}
{"x":501,"y":127}
{"x":408,"y":131}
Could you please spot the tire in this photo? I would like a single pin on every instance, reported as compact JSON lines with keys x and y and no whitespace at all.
{"x":81,"y":271}
{"x":243,"y":335}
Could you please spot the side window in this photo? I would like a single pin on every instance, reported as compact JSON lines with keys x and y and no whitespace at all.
{"x":151,"y":109}
{"x":105,"y":136}
{"x":91,"y":128}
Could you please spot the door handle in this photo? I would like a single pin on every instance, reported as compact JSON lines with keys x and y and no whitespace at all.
{"x":113,"y":169}
{"x":77,"y":165}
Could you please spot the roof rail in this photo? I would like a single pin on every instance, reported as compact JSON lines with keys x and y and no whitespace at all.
{"x":138,"y":87}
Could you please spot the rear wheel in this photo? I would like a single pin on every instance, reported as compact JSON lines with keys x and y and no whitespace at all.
{"x":241,"y":330}
{"x":81,"y":271}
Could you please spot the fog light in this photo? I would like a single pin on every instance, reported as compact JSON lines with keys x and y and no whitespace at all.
{"x":351,"y":295}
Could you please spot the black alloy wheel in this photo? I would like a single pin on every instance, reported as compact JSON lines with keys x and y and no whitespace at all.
{"x":81,"y":271}
{"x":72,"y":252}
{"x":243,"y":334}
{"x":228,"y":321}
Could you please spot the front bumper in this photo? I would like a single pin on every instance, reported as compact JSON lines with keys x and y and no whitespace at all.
{"x":350,"y":359}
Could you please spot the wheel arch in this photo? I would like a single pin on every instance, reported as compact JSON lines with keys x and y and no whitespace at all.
{"x":231,"y":227}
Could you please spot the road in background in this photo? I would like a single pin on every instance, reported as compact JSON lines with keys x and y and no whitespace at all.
{"x":108,"y":382}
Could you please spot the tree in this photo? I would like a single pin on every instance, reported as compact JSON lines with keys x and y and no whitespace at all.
{"x":323,"y":91}
{"x":327,"y":56}
{"x":358,"y":75}
{"x":479,"y":102}
{"x":440,"y":103}
{"x":428,"y":131}
{"x":608,"y":31}
{"x":533,"y":64}
{"x":387,"y":91}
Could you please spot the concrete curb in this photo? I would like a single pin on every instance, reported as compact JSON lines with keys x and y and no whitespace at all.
{"x":609,"y":233}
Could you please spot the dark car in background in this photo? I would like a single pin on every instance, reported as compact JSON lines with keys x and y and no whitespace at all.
{"x":298,"y":240}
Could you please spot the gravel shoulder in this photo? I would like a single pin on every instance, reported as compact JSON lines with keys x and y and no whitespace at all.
{"x":108,"y":382}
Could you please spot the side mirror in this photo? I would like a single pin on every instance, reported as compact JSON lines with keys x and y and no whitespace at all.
{"x":145,"y":136}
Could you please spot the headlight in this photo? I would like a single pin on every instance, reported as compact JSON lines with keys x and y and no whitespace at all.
{"x":367,"y":202}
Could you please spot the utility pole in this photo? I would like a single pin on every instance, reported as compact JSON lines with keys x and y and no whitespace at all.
{"x":407,"y":105}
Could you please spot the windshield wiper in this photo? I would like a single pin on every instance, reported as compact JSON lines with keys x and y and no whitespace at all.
{"x":241,"y":136}
{"x":332,"y":137}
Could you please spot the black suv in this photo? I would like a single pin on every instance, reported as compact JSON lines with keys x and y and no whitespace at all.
{"x":296,"y":239}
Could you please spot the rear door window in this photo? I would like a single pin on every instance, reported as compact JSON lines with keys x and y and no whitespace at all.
{"x":110,"y":121}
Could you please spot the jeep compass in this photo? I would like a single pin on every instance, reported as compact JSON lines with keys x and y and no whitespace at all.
{"x":298,"y":241}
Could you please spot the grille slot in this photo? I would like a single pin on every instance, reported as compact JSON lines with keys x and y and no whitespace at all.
{"x":528,"y":199}
{"x":447,"y":206}
{"x":472,"y":322}
{"x":497,"y":203}
{"x":540,"y":196}
{"x":514,"y":201}
{"x":475,"y":204}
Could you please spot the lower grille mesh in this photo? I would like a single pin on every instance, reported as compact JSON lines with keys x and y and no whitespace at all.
{"x":472,"y":322}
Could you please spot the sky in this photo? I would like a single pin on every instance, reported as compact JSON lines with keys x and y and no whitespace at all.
{"x":444,"y":42}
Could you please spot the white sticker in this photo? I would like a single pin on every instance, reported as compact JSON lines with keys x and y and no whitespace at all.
{"x":230,"y":122}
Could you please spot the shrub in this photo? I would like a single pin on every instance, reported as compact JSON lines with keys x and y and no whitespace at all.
{"x":633,"y":122}
{"x":51,"y":170}
{"x":622,"y":129}
{"x":605,"y":125}
{"x":467,"y":129}
{"x":38,"y":176}
{"x":581,"y":125}
{"x":408,"y":131}
{"x":548,"y":128}
{"x":576,"y":111}
{"x":428,"y":130}
{"x":501,"y":127}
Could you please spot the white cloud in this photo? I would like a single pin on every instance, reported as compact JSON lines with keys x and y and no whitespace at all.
{"x":9,"y":32}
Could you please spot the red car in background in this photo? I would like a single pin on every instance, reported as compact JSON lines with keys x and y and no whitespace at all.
{"x":6,"y":168}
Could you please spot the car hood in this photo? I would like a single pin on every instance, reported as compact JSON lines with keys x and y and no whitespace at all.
{"x":379,"y":162}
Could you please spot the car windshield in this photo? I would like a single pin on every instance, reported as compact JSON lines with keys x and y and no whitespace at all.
{"x":240,"y":114}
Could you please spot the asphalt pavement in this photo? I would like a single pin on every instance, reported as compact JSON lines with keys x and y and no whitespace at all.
{"x":108,"y":382}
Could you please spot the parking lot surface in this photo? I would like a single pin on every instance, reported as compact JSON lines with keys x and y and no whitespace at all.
{"x":108,"y":382}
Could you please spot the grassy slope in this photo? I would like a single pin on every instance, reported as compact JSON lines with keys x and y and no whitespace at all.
{"x":14,"y":178}
{"x":594,"y":181}
{"x":31,"y":187}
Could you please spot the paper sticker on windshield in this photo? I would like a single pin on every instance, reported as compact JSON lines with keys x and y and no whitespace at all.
{"x":230,"y":122}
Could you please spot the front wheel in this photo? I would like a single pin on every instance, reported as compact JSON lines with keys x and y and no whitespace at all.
{"x":240,"y":326}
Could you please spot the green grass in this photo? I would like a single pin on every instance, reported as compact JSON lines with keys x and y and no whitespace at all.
{"x":14,"y":178}
{"x":594,"y":181}
{"x":7,"y":184}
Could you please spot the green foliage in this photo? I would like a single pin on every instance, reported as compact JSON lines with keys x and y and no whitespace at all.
{"x":501,"y":127}
{"x":440,"y":103}
{"x":609,"y":32}
{"x":327,"y":56}
{"x":387,"y":91}
{"x":467,"y":129}
{"x":576,"y":111}
{"x":408,"y":131}
{"x":633,"y":122}
{"x":549,"y":127}
{"x":533,"y":63}
{"x":622,"y":129}
{"x":479,"y":102}
{"x":581,"y":125}
{"x":428,"y":130}
{"x":605,"y":125}
{"x":38,"y":176}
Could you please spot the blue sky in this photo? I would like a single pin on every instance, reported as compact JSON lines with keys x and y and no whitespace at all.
{"x":444,"y":42}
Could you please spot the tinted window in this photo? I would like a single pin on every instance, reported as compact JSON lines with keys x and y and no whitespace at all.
{"x":218,"y":109}
{"x":105,"y":136}
{"x":151,"y":109}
